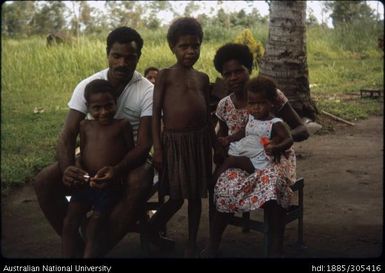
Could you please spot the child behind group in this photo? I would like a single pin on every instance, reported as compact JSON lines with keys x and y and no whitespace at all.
{"x":104,"y":142}
{"x":151,"y":73}
{"x":182,"y":154}
{"x":264,"y":135}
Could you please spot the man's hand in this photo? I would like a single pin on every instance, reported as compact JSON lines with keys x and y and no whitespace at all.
{"x":74,"y":177}
{"x":102,"y":178}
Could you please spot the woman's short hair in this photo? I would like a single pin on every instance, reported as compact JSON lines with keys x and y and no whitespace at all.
{"x":232,"y":51}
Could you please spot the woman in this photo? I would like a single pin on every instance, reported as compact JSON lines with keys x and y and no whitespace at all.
{"x":234,"y":62}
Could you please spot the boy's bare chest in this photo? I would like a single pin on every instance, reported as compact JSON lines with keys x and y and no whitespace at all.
{"x":103,"y":133}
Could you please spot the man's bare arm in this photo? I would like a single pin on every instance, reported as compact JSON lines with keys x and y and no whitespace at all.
{"x":137,"y":156}
{"x":65,"y":151}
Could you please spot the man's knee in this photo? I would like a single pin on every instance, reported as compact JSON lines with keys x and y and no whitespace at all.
{"x":47,"y":178}
{"x":140,"y":180}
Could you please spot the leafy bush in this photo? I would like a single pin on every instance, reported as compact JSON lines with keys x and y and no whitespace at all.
{"x":245,"y":37}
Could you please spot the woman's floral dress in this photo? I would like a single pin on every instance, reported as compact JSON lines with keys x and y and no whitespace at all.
{"x":238,"y":191}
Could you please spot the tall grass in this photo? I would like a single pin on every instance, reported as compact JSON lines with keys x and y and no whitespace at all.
{"x":34,"y":77}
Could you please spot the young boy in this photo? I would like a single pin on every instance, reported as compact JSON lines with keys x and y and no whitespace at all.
{"x":183,"y":154}
{"x":151,"y":73}
{"x":104,"y":142}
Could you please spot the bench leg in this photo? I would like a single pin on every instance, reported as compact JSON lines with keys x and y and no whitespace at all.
{"x":300,"y":230}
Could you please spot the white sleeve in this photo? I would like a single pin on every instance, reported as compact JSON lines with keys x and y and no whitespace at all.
{"x":275,"y":120}
{"x":77,"y":101}
{"x":220,"y":111}
{"x":146,"y":106}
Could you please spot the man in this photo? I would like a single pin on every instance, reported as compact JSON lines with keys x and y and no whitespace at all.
{"x":134,"y":102}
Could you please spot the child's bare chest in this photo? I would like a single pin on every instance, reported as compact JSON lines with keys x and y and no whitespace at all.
{"x":103,"y":134}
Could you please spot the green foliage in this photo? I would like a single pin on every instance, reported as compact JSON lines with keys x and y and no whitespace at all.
{"x":352,"y":111}
{"x":17,"y":18}
{"x":347,"y":12}
{"x":49,"y":17}
{"x":345,"y":41}
{"x":245,"y":37}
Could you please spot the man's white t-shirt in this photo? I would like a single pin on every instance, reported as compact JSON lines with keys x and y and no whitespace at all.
{"x":134,"y":102}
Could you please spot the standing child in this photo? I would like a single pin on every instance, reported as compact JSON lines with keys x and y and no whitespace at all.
{"x":182,"y":154}
{"x":264,"y":135}
{"x":104,"y":142}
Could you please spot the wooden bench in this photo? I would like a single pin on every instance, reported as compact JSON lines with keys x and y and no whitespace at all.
{"x":294,"y":212}
{"x":371,"y":93}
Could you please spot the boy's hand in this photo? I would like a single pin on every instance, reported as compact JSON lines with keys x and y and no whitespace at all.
{"x":74,"y":177}
{"x":102,"y":178}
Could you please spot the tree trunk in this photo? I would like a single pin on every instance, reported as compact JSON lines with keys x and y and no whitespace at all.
{"x":285,"y":57}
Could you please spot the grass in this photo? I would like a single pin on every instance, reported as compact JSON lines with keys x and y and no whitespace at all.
{"x":36,"y":77}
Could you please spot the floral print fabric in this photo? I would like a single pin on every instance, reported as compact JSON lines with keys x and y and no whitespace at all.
{"x":238,"y":191}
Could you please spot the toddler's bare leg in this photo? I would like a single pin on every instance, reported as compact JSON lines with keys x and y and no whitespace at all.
{"x":240,"y":162}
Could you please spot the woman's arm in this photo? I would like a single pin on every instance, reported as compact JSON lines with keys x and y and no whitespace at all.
{"x":298,"y":131}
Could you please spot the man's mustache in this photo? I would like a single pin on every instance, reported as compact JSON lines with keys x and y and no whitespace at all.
{"x":122,"y":69}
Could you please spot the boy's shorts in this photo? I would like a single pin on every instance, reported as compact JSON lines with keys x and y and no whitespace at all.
{"x":100,"y":201}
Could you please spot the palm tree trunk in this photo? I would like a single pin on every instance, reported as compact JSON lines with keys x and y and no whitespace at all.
{"x":285,"y":58}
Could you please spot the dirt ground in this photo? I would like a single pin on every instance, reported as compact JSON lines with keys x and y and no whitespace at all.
{"x":343,"y":207}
